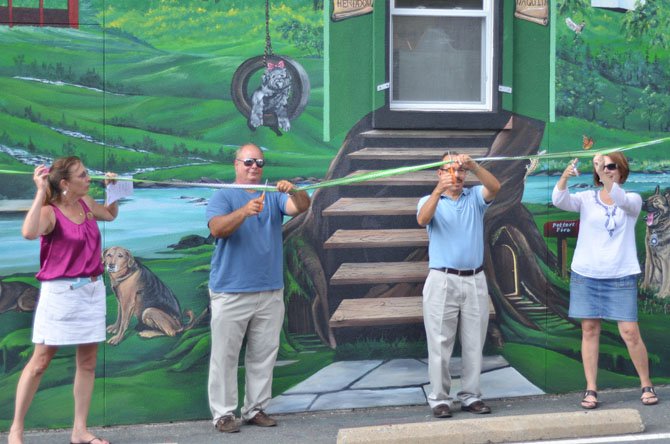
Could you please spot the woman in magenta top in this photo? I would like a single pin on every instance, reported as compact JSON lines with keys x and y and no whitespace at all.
{"x":71,"y":308}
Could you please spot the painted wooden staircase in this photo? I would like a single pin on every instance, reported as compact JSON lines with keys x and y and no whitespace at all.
{"x":375,"y":241}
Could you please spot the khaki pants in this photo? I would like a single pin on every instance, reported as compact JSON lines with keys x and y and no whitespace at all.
{"x":446,"y":298}
{"x":260,"y":315}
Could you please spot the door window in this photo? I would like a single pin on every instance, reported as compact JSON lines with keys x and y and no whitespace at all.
{"x":441,"y":55}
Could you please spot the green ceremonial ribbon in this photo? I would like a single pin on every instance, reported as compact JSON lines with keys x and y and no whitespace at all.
{"x":402,"y":170}
{"x":15,"y":172}
{"x":363,"y":177}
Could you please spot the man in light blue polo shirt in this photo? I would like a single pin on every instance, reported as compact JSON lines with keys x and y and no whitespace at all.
{"x":246,"y":289}
{"x":456,"y":287}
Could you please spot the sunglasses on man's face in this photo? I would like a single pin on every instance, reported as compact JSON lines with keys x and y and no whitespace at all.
{"x":248,"y":162}
{"x":611,"y":166}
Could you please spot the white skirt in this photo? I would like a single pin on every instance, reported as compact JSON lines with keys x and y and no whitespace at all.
{"x":70,"y":317}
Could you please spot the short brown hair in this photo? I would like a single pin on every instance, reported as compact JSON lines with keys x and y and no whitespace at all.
{"x":450,"y":154}
{"x":621,"y":164}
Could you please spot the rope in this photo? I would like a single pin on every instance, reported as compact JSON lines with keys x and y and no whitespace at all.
{"x":268,"y":41}
{"x":364,"y":177}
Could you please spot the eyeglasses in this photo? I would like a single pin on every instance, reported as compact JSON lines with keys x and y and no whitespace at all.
{"x":611,"y":166}
{"x":456,"y":170}
{"x":250,"y":161}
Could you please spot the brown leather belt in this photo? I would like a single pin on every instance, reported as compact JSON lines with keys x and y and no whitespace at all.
{"x":468,"y":272}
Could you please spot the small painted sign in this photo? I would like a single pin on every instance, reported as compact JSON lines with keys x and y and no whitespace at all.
{"x":344,"y":9}
{"x":536,"y":11}
{"x":561,"y":228}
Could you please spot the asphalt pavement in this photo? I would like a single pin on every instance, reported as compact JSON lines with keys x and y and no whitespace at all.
{"x":323,"y":426}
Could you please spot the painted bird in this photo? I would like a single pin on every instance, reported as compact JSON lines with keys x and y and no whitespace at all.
{"x":574,"y":26}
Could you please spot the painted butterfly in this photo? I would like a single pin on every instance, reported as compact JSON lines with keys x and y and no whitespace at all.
{"x":587,"y":142}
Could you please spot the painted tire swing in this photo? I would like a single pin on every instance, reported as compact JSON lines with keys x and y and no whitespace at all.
{"x":299,"y":87}
{"x":283,"y":91}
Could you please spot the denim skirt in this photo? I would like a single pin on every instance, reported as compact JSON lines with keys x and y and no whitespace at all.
{"x":613,"y":299}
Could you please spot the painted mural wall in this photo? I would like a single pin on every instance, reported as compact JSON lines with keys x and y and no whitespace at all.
{"x":147,"y":89}
{"x":165,"y":90}
{"x":612,"y":90}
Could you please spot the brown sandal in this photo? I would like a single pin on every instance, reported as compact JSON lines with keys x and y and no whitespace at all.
{"x":649,"y":400}
{"x":590,"y":405}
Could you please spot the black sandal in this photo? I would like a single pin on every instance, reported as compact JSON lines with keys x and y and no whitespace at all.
{"x":649,"y":400}
{"x":590,"y":405}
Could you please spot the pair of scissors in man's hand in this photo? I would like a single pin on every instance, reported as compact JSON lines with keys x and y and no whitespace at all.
{"x":262,"y":199}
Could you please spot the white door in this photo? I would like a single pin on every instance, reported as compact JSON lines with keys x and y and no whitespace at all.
{"x":441,"y":55}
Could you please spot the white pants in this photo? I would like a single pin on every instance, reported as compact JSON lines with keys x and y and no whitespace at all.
{"x":446,"y":298}
{"x":260,"y":315}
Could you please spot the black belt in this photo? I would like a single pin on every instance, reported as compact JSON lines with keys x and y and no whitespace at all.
{"x":469,"y":272}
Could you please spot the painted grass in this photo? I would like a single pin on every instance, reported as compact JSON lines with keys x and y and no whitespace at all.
{"x":148,"y":377}
{"x":153,"y":393}
{"x":566,"y":135}
{"x":614,"y":356}
{"x":367,"y":348}
{"x":184,"y":102}
{"x":554,"y":372}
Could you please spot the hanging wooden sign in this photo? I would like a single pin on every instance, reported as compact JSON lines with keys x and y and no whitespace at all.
{"x":344,"y":9}
{"x":536,"y":11}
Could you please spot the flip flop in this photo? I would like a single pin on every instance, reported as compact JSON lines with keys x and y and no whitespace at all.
{"x":590,"y":405}
{"x":649,"y":400}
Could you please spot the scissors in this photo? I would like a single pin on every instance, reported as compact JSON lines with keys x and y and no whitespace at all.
{"x":451,"y":169}
{"x":262,"y":199}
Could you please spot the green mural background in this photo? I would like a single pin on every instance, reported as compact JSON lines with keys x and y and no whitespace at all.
{"x":148,"y":86}
{"x":144,"y":88}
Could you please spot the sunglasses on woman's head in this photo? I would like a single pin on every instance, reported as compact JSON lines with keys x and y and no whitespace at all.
{"x":250,"y":161}
{"x":611,"y":166}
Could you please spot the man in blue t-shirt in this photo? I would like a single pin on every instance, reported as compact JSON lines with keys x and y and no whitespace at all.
{"x":456,"y":287}
{"x":246,"y":288}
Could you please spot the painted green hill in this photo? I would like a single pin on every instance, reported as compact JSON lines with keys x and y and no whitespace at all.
{"x":160,"y":109}
{"x":609,"y":81}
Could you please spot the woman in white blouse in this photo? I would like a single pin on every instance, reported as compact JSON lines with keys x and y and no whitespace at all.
{"x":603,"y":281}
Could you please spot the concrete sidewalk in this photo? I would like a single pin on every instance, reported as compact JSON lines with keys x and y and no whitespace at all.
{"x":323,"y":426}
